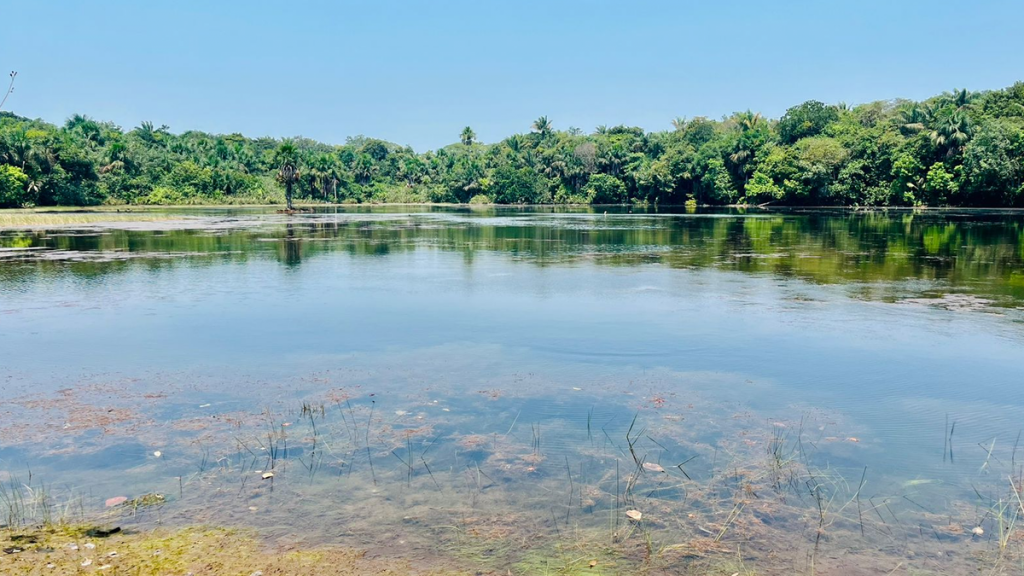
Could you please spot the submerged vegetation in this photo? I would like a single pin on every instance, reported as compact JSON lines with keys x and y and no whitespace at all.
{"x":956,"y":149}
{"x":82,"y":548}
{"x":668,"y":489}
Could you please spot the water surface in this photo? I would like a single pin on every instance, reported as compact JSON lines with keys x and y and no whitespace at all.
{"x":815,"y":389}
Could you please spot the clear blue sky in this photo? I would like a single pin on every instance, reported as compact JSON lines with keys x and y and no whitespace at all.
{"x":416,"y":72}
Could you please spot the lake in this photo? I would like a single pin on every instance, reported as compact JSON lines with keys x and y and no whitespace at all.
{"x":532,"y":390}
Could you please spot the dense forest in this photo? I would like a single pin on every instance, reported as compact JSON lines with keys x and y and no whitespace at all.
{"x":958,"y":149}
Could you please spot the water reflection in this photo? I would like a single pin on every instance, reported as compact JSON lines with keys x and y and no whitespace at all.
{"x":982,"y":252}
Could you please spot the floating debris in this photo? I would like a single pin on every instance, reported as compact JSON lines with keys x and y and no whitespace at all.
{"x":268,"y":475}
{"x":157,"y":454}
{"x":146,"y":500}
{"x":116,"y":501}
{"x":652,"y":467}
{"x":634,"y":514}
{"x":978,"y":531}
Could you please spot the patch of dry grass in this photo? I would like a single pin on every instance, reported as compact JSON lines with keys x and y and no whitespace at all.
{"x":52,"y":217}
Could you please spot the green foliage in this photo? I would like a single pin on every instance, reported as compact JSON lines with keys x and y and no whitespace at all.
{"x":993,"y":165}
{"x":12,"y":187}
{"x":164,"y":195}
{"x":820,"y":160}
{"x":605,"y":189}
{"x":958,"y":148}
{"x":939,"y":185}
{"x":699,"y":131}
{"x":716,"y":183}
{"x":805,"y":120}
{"x":522,"y":186}
{"x":762,"y":188}
{"x":907,"y":179}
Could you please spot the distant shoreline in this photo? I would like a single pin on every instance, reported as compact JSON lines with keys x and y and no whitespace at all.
{"x":129,"y":208}
{"x":958,"y":148}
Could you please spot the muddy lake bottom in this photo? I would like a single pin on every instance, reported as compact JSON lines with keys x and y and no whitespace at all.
{"x":436,"y":390}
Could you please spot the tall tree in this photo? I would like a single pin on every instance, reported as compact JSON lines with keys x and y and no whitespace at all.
{"x":805,"y":120}
{"x":286,"y":157}
{"x":542,"y":126}
{"x":952,"y":134}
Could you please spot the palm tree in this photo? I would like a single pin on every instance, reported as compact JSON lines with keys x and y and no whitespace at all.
{"x":149,"y":133}
{"x":747,"y":144}
{"x":740,"y":157}
{"x":542,"y":126}
{"x":34,"y":186}
{"x":15,"y":148}
{"x":117,"y":154}
{"x":468,"y":136}
{"x":748,"y":120}
{"x":914,"y":118}
{"x":411,"y":169}
{"x":679,"y":123}
{"x":961,"y":98}
{"x":286,"y":157}
{"x":324,"y":174}
{"x":952,"y":134}
{"x":514,"y":142}
{"x":363,"y":168}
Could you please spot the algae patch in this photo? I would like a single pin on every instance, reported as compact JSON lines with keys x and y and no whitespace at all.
{"x":66,"y":550}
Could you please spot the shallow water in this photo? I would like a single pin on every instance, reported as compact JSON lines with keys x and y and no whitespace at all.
{"x":488,"y":384}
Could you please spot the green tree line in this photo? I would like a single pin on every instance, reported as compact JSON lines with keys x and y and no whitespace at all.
{"x":959,"y":148}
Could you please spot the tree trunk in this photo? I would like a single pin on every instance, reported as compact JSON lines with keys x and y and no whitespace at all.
{"x":288,"y":195}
